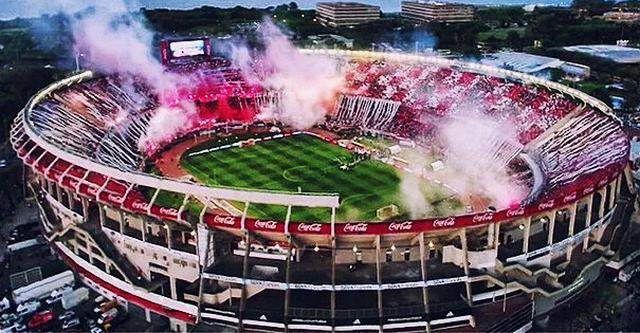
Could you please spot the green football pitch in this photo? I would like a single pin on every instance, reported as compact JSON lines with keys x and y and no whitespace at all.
{"x":308,"y":164}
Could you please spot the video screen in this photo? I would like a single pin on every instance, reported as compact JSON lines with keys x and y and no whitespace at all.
{"x":187,"y":48}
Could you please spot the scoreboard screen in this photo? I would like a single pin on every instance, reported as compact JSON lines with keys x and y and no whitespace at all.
{"x":187,"y":48}
{"x":175,"y":51}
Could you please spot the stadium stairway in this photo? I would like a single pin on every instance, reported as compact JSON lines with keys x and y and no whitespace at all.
{"x":130,"y":270}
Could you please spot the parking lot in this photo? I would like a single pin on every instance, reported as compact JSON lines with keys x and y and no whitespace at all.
{"x":23,"y":226}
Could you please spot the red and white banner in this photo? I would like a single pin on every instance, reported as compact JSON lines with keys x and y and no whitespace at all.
{"x":136,"y":202}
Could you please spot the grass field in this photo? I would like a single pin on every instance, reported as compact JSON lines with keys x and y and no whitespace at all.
{"x":307,"y":164}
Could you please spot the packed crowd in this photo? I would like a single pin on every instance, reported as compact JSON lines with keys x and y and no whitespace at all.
{"x":111,"y":113}
{"x":428,"y":92}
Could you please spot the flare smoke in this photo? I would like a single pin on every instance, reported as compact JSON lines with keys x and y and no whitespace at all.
{"x":307,"y":84}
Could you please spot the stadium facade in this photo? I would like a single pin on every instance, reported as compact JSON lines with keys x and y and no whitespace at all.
{"x":489,"y":270}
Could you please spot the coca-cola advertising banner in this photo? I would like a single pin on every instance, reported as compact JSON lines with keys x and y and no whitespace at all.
{"x":110,"y":198}
{"x":264,"y":225}
{"x":310,"y":228}
{"x":559,"y":197}
{"x":143,"y":207}
{"x":221,"y":221}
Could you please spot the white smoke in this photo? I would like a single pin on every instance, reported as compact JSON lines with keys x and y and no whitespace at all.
{"x":412,"y":197}
{"x":308,"y":84}
{"x":475,"y":150}
{"x":471,"y":165}
{"x":113,"y":41}
{"x":166,"y":124}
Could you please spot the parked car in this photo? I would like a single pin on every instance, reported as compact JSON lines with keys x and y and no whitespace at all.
{"x":19,"y":327}
{"x":57,"y":295}
{"x":67,"y":315}
{"x":4,"y":304}
{"x":96,"y":329}
{"x":71,"y":323}
{"x":41,"y":319}
{"x":105,"y":306}
{"x":15,"y":327}
{"x":108,"y":316}
{"x":27,"y":308}
{"x":8,"y":319}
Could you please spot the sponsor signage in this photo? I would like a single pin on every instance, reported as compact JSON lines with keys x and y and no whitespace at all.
{"x":560,"y":197}
{"x":353,"y":228}
{"x":264,"y":225}
{"x":215,"y":220}
{"x":164,"y":212}
{"x":405,"y":226}
{"x":444,"y":223}
{"x":483,"y":218}
{"x":310,"y":228}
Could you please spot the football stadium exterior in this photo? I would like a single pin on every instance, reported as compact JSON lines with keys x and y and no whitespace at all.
{"x":209,"y":260}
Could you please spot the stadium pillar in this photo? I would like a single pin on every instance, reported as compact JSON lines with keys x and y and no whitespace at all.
{"x":572,"y":224}
{"x":612,"y":194}
{"x":496,"y":236}
{"x":144,"y":229}
{"x":172,"y":286}
{"x":379,"y":281}
{"x":526,"y":234}
{"x":585,"y":242}
{"x":169,"y":238}
{"x":552,"y":226}
{"x":245,"y":269}
{"x":465,"y":263}
{"x":601,"y":208}
{"x":100,"y":214}
{"x":333,"y":283}
{"x":202,"y":270}
{"x":85,"y":209}
{"x":490,"y":235}
{"x":49,"y":186}
{"x":59,"y":193}
{"x":287,"y":291}
{"x":121,"y":222}
{"x":423,"y":272}
{"x":72,"y":203}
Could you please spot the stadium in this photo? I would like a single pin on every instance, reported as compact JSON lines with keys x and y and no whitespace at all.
{"x":409,"y":206}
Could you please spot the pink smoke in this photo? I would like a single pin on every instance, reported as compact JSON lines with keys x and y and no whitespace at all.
{"x":308,"y":84}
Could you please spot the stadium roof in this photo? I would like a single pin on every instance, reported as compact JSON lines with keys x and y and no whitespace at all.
{"x":615,"y":53}
{"x":530,"y":63}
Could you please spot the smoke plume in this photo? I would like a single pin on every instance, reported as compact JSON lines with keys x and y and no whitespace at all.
{"x":307,"y":84}
{"x":475,"y":150}
{"x":412,"y":196}
{"x":474,"y":147}
{"x":167,"y":123}
{"x":114,"y":41}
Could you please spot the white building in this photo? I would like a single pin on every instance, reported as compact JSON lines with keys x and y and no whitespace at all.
{"x":336,"y":14}
{"x":615,"y":53}
{"x":535,"y":64}
{"x":433,"y":11}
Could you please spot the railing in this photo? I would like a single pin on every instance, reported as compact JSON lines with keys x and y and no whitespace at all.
{"x":561,"y":244}
{"x":338,"y":287}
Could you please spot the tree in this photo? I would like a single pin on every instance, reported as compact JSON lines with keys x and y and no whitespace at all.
{"x":593,"y":7}
{"x":514,"y":40}
{"x":293,"y":6}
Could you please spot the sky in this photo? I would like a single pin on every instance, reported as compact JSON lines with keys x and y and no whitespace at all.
{"x":10,"y":9}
